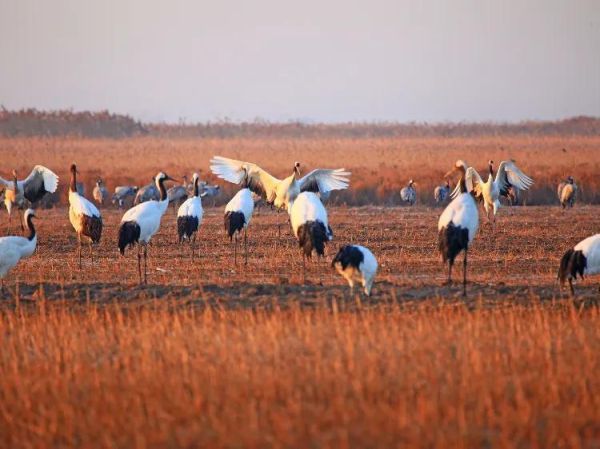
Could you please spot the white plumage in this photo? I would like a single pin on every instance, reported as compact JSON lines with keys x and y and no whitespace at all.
{"x":83,"y":215}
{"x":40,"y":181}
{"x":142,"y":221}
{"x":310,"y":224}
{"x":14,"y":248}
{"x":457,"y":226}
{"x":509,"y":175}
{"x":582,"y":259}
{"x":238,"y":213}
{"x":189,"y":215}
{"x":280,"y":192}
{"x":356,"y":264}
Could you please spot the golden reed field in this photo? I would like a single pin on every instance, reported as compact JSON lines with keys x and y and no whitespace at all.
{"x":214,"y":354}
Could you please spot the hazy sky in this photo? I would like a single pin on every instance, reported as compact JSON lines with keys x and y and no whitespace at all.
{"x":322,"y":60}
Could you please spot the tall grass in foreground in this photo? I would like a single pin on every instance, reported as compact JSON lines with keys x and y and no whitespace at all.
{"x":429,"y":376}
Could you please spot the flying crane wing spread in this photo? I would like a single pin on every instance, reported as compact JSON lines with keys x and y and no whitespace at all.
{"x":324,"y":180}
{"x":245,"y":174}
{"x":511,"y":175}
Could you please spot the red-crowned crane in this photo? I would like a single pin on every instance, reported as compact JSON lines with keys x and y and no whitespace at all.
{"x":189,"y":215}
{"x":308,"y":218}
{"x":238,"y":213}
{"x":457,"y":226}
{"x":15,"y":248}
{"x":142,"y":221}
{"x":582,"y":259}
{"x":40,"y":181}
{"x":356,"y":264}
{"x":509,"y":175}
{"x":280,"y":192}
{"x":84,"y":216}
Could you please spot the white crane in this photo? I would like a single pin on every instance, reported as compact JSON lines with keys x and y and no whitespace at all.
{"x":308,"y":218}
{"x":142,"y":221}
{"x":238,"y":213}
{"x":40,"y":181}
{"x":100,"y":193}
{"x":458,"y":225}
{"x":189,"y":216}
{"x":84,"y":216}
{"x":15,"y":248}
{"x":280,"y":192}
{"x":408,"y":194}
{"x":509,"y":175}
{"x":567,"y":191}
{"x":356,"y":264}
{"x":582,"y":259}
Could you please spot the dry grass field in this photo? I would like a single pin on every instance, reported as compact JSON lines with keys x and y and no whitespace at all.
{"x":380,"y":166}
{"x":213,"y":354}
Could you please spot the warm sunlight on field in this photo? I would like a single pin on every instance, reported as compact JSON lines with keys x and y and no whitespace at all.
{"x":168,"y":375}
{"x":380,"y":166}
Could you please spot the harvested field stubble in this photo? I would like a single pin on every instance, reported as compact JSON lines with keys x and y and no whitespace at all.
{"x":210,"y":354}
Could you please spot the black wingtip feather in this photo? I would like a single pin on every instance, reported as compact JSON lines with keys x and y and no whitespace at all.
{"x":186,"y":226}
{"x":572,"y":263}
{"x":129,"y":234}
{"x":234,"y":222}
{"x":312,"y":235}
{"x":451,"y":241}
{"x":348,"y":255}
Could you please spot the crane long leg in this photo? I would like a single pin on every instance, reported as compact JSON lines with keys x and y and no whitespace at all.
{"x":303,"y":268}
{"x":140,"y":262}
{"x":235,"y":250}
{"x":246,"y":246}
{"x":91,"y":252}
{"x":571,"y":287}
{"x":145,"y":264}
{"x":465,"y":274}
{"x":192,"y":243}
{"x":449,"y":281}
{"x":79,"y":249}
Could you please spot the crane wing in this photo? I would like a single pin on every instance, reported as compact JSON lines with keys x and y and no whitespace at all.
{"x":324,"y":180}
{"x":246,"y":174}
{"x":40,"y":181}
{"x":473,"y":182}
{"x":511,"y":175}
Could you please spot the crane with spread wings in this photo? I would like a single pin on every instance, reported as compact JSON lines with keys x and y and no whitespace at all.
{"x":279,"y":192}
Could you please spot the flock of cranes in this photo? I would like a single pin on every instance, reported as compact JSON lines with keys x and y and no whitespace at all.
{"x":301,"y":196}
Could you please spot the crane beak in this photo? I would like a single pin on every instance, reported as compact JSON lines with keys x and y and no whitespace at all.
{"x":450,"y":173}
{"x":168,"y":178}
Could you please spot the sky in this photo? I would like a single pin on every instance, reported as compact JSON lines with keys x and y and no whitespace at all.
{"x":310,"y":60}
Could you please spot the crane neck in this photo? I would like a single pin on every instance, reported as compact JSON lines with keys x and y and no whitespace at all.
{"x":491,"y":168}
{"x":160,"y":184}
{"x":73,"y":183}
{"x":31,"y":228}
{"x":196,"y":189}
